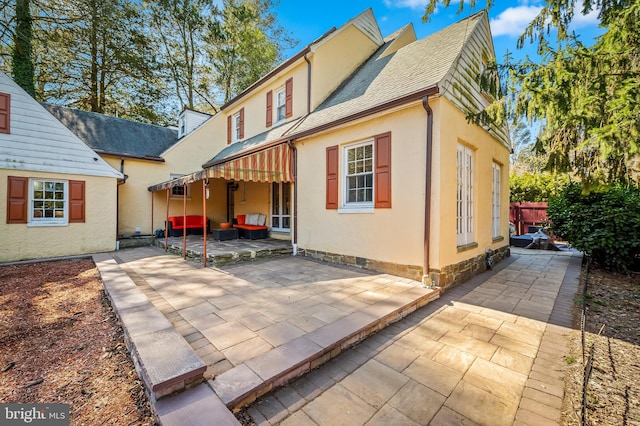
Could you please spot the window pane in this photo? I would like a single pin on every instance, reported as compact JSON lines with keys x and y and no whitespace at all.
{"x":37,"y":194}
{"x":37,"y":185}
{"x":286,"y":223}
{"x":275,"y":221}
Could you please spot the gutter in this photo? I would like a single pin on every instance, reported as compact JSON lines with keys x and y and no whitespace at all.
{"x":431,"y":90}
{"x":426,"y":280}
{"x":130,"y":156}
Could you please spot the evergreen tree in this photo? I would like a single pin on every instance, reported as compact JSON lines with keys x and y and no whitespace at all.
{"x":22,"y":60}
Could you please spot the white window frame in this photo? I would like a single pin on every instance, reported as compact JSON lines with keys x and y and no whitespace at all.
{"x":495,"y":200}
{"x":464,"y":196}
{"x":280,"y":95}
{"x":173,"y":195}
{"x":182,"y":126}
{"x":357,"y":206}
{"x":278,"y":210}
{"x":235,"y":130}
{"x":48,"y":221}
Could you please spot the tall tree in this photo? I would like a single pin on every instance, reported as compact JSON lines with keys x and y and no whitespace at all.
{"x":97,"y":58}
{"x":244,"y":44}
{"x":180,"y":27}
{"x":586,"y":97}
{"x":22,"y":59}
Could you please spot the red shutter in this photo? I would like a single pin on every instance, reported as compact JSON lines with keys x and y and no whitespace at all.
{"x":229,"y":124}
{"x":76,"y":201}
{"x":332,"y":177}
{"x":5,"y":113}
{"x":269,"y":108}
{"x":241,"y":123}
{"x":383,"y":171}
{"x":288,"y":98}
{"x":17,"y":189}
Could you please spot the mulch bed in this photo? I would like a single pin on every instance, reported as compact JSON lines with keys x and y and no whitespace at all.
{"x":613,"y":395}
{"x":60,"y":342}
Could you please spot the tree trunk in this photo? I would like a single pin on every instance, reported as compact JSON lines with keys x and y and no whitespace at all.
{"x":22,"y":57}
{"x":93,"y":46}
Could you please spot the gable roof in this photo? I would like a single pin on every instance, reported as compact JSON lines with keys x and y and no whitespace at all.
{"x":116,"y":136}
{"x":410,"y":70}
{"x":39,"y":142}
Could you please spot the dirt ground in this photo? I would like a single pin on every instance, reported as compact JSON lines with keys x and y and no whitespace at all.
{"x":613,"y":328}
{"x":60,"y":343}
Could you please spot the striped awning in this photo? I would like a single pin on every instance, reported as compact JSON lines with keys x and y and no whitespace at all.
{"x":269,"y":165}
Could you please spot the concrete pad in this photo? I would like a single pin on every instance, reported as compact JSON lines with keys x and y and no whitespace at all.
{"x":497,"y":380}
{"x":454,"y":358}
{"x":142,"y":320}
{"x":447,"y":417}
{"x":227,"y":334}
{"x":256,"y":321}
{"x":306,"y":322}
{"x":280,"y":333}
{"x":375,"y":383}
{"x":195,"y":406}
{"x":397,"y":357}
{"x":246,"y":350}
{"x":299,"y":418}
{"x":283,"y":358}
{"x":512,"y":360}
{"x":468,"y":344}
{"x":341,"y":329}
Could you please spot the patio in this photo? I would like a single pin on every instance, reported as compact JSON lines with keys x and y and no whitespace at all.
{"x":226,"y":252}
{"x":255,"y":325}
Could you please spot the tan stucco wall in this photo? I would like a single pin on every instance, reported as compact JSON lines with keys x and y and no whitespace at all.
{"x":451,"y":128}
{"x":396,"y":235}
{"x":97,"y":234}
{"x":392,"y":235}
{"x":255,"y":103}
{"x":335,"y":59}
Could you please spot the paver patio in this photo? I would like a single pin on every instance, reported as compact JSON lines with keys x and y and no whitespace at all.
{"x":489,"y":352}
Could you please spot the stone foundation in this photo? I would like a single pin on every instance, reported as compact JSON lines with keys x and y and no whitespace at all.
{"x":452,"y":275}
{"x":447,"y":277}
{"x":407,"y":271}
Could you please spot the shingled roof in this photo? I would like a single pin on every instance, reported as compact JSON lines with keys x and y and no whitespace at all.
{"x":420,"y":65}
{"x":115,"y":136}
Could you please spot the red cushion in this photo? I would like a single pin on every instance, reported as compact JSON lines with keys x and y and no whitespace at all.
{"x":242,"y":218}
{"x":250,"y":227}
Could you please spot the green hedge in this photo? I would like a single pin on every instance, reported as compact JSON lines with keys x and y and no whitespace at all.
{"x":605,"y":225}
{"x":536,"y":186}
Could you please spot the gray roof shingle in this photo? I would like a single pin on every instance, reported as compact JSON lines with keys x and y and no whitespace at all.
{"x":417,"y":66}
{"x":118,"y":136}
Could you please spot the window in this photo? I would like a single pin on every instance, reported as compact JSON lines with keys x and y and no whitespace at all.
{"x":182,"y":127}
{"x":464,"y":198}
{"x":280,"y":110}
{"x":178,"y":191}
{"x":5,"y":109}
{"x":281,"y":206}
{"x":235,"y":126}
{"x":364,"y":179}
{"x":45,"y":202}
{"x":495,"y":196}
{"x":358,"y":172}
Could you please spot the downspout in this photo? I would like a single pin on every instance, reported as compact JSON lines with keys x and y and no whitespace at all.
{"x":426,"y":279}
{"x":308,"y":83}
{"x":120,"y":182}
{"x":294,"y":241}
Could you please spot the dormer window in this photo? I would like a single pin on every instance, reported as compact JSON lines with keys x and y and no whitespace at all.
{"x":182,"y":126}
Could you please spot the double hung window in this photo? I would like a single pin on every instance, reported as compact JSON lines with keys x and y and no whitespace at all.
{"x":464,"y":197}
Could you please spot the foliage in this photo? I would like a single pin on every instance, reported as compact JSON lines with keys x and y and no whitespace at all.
{"x":244,"y":44}
{"x":605,"y":225}
{"x":587,"y":98}
{"x":22,"y":63}
{"x":536,"y":186}
{"x":524,"y":157}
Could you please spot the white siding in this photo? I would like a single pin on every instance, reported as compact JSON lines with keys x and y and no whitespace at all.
{"x":39,"y":142}
{"x":460,"y":85}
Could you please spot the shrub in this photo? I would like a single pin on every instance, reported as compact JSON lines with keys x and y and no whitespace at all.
{"x":536,"y":186}
{"x":604,"y":225}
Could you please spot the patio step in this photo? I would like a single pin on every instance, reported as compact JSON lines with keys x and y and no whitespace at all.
{"x":146,"y":329}
{"x":246,"y":382}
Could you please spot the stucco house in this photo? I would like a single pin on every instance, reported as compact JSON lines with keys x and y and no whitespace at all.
{"x":60,"y":195}
{"x":358,"y":150}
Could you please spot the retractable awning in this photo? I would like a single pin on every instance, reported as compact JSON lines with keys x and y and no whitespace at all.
{"x":269,"y":165}
{"x":274,"y":164}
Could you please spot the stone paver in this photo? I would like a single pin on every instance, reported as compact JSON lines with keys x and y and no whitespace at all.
{"x":489,"y":352}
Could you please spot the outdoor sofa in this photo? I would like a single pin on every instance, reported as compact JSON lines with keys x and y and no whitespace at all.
{"x":193,"y":225}
{"x":251,"y":226}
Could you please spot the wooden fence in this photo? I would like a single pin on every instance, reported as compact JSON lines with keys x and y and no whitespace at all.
{"x":526,"y":214}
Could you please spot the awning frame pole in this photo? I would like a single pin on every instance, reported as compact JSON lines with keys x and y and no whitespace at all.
{"x":166,"y":224}
{"x":184,"y":220}
{"x":205,"y":186}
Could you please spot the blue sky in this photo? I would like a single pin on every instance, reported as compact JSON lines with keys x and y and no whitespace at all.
{"x":309,"y":20}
